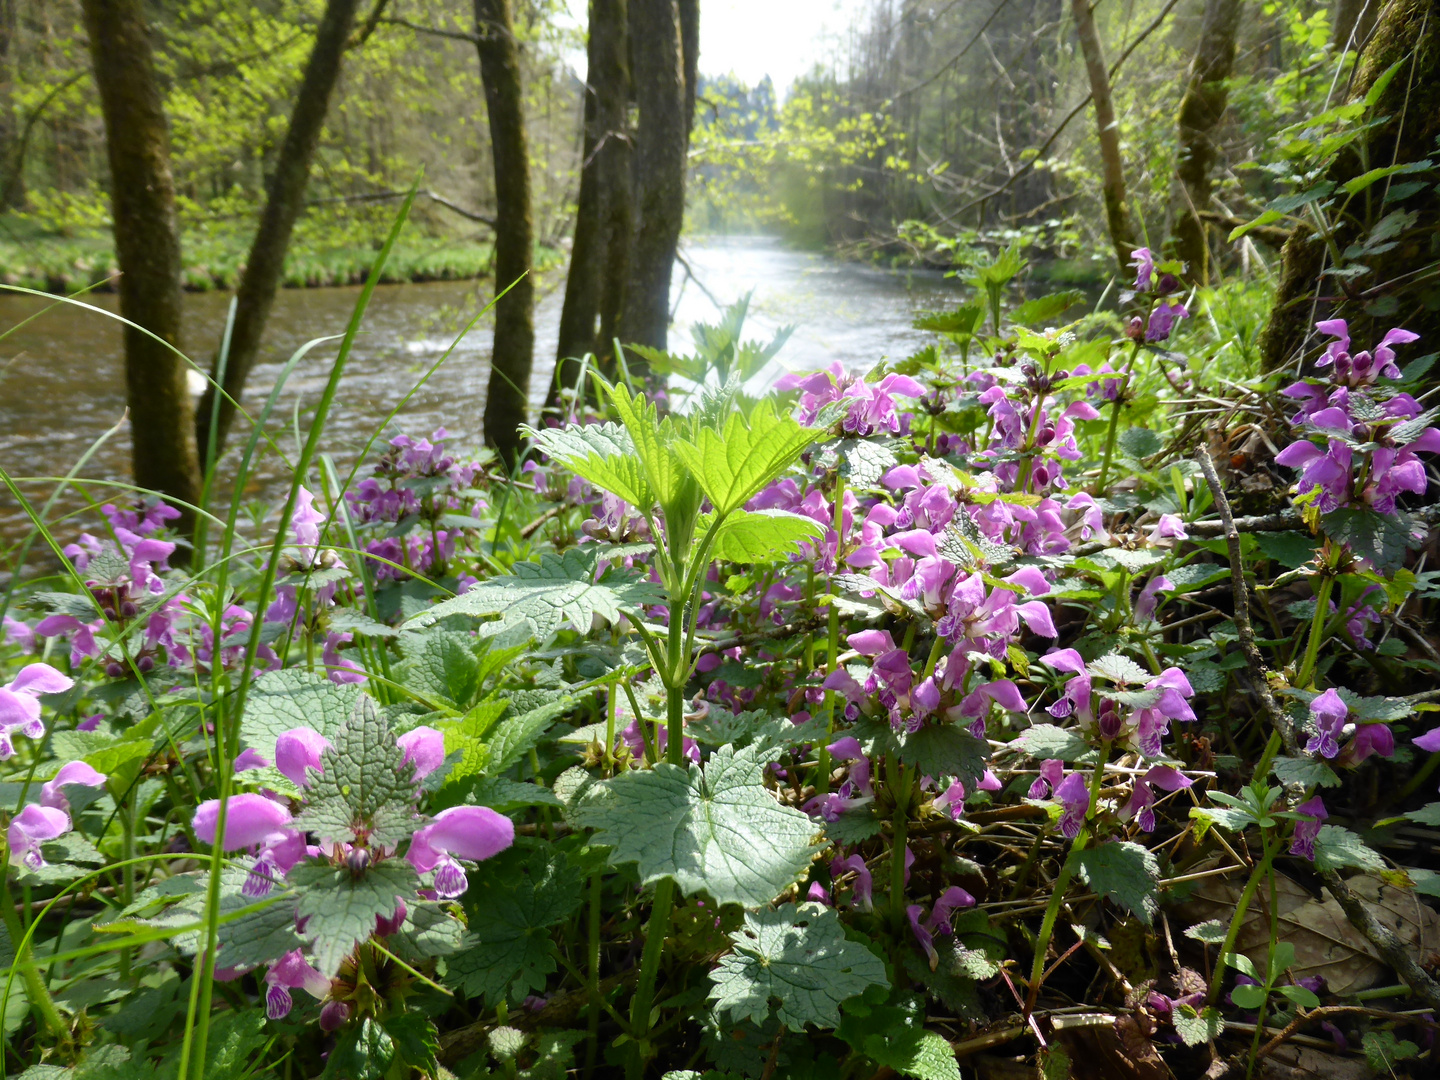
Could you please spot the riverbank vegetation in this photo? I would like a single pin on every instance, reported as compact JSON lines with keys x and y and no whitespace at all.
{"x":1057,"y":700}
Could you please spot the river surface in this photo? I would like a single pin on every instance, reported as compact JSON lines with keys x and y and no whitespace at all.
{"x":62,"y":382}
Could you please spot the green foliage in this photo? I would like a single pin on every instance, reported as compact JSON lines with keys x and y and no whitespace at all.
{"x":341,"y":906}
{"x":1126,"y":873}
{"x":365,"y":790}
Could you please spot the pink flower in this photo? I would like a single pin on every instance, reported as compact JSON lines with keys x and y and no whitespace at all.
{"x":20,"y":703}
{"x":340,"y":669}
{"x":296,"y":751}
{"x":291,"y":972}
{"x":1369,"y":739}
{"x":305,"y":521}
{"x":425,"y":748}
{"x":1144,"y":262}
{"x":1327,"y":712}
{"x":1143,"y":798}
{"x":1074,"y":795}
{"x":1169,"y":527}
{"x":469,"y":832}
{"x":1307,"y":830}
{"x":922,"y":935}
{"x":862,"y":896}
{"x":952,"y":898}
{"x":1149,"y":598}
{"x":1052,"y":771}
{"x":74,"y":772}
{"x":250,"y":820}
{"x":31,"y":827}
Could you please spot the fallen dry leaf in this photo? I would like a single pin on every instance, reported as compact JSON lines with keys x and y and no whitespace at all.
{"x":1307,"y":1063}
{"x":1325,"y":942}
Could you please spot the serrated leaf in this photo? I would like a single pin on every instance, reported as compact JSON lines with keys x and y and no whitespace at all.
{"x":1045,"y":308}
{"x":1131,"y":561}
{"x":604,"y":454}
{"x":1290,"y":549}
{"x":935,"y":749}
{"x":514,"y":736}
{"x":1194,"y":1027}
{"x":732,"y":465}
{"x":1429,"y":814}
{"x":294,"y":697}
{"x":341,"y":907}
{"x":715,"y":829}
{"x":1337,"y":848}
{"x":1119,"y":668}
{"x":762,"y":536}
{"x":1211,"y":932}
{"x":512,"y":902}
{"x":1382,"y":539}
{"x":864,"y":461}
{"x":503,"y":794}
{"x":540,"y":598}
{"x":417,"y":1043}
{"x":259,"y":936}
{"x":1306,"y":772}
{"x":1049,"y":741}
{"x":1194,"y":576}
{"x":798,"y":956}
{"x":925,"y":1055}
{"x":1126,"y":873}
{"x":441,"y":667}
{"x":363,"y":1051}
{"x":430,"y":930}
{"x":853,"y":826}
{"x":365,"y":787}
{"x":1139,"y":442}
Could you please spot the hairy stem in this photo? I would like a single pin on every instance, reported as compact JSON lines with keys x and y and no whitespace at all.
{"x":1217,"y":978}
{"x":35,"y":989}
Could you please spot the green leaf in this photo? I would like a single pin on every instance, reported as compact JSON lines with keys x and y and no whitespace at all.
{"x":416,"y":1041}
{"x":467,"y":737}
{"x":258,"y":937}
{"x":734,"y":464}
{"x":762,"y":536}
{"x":1337,"y":847}
{"x":716,"y":829}
{"x":1139,"y":442}
{"x":294,"y":697}
{"x":935,"y":749}
{"x":1383,"y":1050}
{"x":515,"y":735}
{"x":430,"y":930}
{"x":1126,"y":873}
{"x":853,"y":826}
{"x":506,"y":795}
{"x":1383,"y":539}
{"x":1429,"y":814}
{"x":1290,"y":549}
{"x":342,"y":907}
{"x":797,"y":956}
{"x":512,"y":902}
{"x":1119,"y":668}
{"x":1300,"y":996}
{"x":1248,"y":996}
{"x":1044,"y":308}
{"x":863,"y":461}
{"x":1195,"y":1028}
{"x":964,"y":320}
{"x":604,"y":454}
{"x":1048,"y":741}
{"x":1306,"y":772}
{"x":363,"y":1051}
{"x":540,"y":598}
{"x":653,"y":439}
{"x":236,"y":1045}
{"x":365,"y":787}
{"x":441,"y":667}
{"x":925,"y":1055}
{"x":1211,"y":932}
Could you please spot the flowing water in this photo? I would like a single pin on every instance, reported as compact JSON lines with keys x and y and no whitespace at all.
{"x":62,"y":382}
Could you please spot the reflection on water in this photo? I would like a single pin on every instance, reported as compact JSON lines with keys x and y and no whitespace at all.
{"x":62,"y":385}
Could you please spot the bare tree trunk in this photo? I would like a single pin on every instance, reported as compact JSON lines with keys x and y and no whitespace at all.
{"x":12,"y":185}
{"x":660,"y":150}
{"x":1201,"y":110}
{"x":508,"y":397}
{"x":594,"y":286}
{"x":1112,"y":184}
{"x":147,"y":246}
{"x":1353,"y":23}
{"x":1398,"y":286}
{"x":283,"y":204}
{"x":690,"y":52}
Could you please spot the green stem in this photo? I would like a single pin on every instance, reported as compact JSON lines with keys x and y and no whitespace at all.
{"x":1271,"y":749}
{"x":1317,"y":631}
{"x":35,"y":989}
{"x":901,"y":780}
{"x":649,"y":969}
{"x":832,"y":657}
{"x":592,"y":1045}
{"x":1217,"y":978}
{"x":1052,"y":912}
{"x":1115,"y":421}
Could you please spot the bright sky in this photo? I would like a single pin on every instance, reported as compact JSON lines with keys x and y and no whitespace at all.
{"x":755,"y":38}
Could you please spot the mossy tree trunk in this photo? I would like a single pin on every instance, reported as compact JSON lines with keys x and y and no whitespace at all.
{"x":1201,"y":110}
{"x":284,"y":200}
{"x":147,"y":247}
{"x":1107,"y":127}
{"x":508,"y":396}
{"x":1397,"y":285}
{"x":661,"y":144}
{"x":594,"y":286}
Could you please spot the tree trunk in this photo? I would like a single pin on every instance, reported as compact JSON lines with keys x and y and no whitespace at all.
{"x":12,"y":186}
{"x":1112,"y":167}
{"x":598,"y":256}
{"x":147,"y":247}
{"x":1201,"y":110}
{"x":508,"y":397}
{"x":690,"y":54}
{"x":660,"y":150}
{"x":1353,"y":22}
{"x":283,"y":202}
{"x":1398,"y":288}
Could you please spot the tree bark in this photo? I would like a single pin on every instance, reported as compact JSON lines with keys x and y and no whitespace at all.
{"x":12,"y":185}
{"x":1352,"y":23}
{"x":1201,"y":110}
{"x":147,"y":246}
{"x":1112,"y":167}
{"x":599,"y":254}
{"x":1398,"y":289}
{"x":283,"y":203}
{"x":659,"y":169}
{"x":690,"y":53}
{"x":508,"y":397}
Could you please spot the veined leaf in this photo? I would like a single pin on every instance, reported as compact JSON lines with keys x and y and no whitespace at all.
{"x":341,"y":908}
{"x":1126,"y":873}
{"x":761,"y":536}
{"x":604,"y":454}
{"x":733,"y":465}
{"x":542,"y":597}
{"x":798,"y":956}
{"x":653,"y":441}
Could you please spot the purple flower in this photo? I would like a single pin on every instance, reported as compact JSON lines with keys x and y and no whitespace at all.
{"x":1143,"y":259}
{"x":19,"y":634}
{"x":1076,"y":698}
{"x":250,"y":820}
{"x":291,"y":972}
{"x":384,"y":926}
{"x":922,"y":935}
{"x":73,"y":772}
{"x":1327,"y":712}
{"x":1430,"y":741}
{"x":818,"y":894}
{"x":1169,"y":527}
{"x":250,"y":758}
{"x":1074,"y":795}
{"x":340,"y":669}
{"x":1163,"y":319}
{"x":1328,"y":470}
{"x":305,"y":521}
{"x":1142,"y":800}
{"x":862,"y":893}
{"x":33,"y":826}
{"x":1302,"y":840}
{"x":296,"y":751}
{"x":1148,"y":600}
{"x":469,"y":832}
{"x":1152,"y":723}
{"x":425,"y":748}
{"x":952,"y":898}
{"x":1369,"y":739}
{"x":20,"y":703}
{"x":1052,"y":771}
{"x":333,"y":1015}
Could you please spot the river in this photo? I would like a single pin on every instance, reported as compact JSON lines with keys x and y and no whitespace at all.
{"x":62,"y":382}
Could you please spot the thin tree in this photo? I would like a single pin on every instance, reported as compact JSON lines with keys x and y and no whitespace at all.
{"x":600,"y":251}
{"x":147,"y":247}
{"x":1112,"y":167}
{"x":661,"y":143}
{"x":1353,"y":22}
{"x":284,"y":200}
{"x":508,"y":397}
{"x":1201,"y":110}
